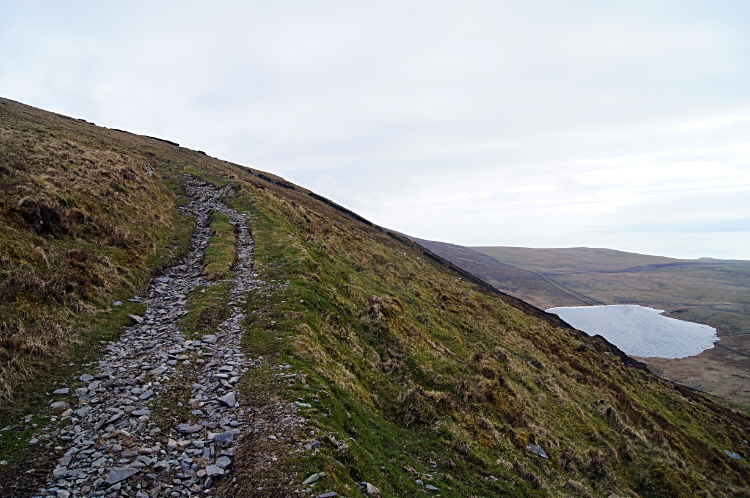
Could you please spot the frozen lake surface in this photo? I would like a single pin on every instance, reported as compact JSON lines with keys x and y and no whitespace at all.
{"x":640,"y":331}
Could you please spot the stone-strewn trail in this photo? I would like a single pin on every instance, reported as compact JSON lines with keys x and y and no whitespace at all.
{"x":114,"y":447}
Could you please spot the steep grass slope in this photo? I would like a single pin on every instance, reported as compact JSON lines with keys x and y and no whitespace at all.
{"x":412,"y":370}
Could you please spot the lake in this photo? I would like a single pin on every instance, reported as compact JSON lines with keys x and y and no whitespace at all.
{"x":641,"y":331}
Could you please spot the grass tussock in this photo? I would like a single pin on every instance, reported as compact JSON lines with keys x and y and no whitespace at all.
{"x":220,"y":252}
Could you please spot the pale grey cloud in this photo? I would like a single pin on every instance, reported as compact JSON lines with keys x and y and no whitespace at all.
{"x":510,"y":123}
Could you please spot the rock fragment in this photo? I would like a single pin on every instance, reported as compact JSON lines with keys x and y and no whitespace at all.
{"x":214,"y":471}
{"x":119,"y":474}
{"x":371,"y":490}
{"x":313,"y":478}
{"x":537,"y":450}
{"x":229,"y":399}
{"x":189,"y":429}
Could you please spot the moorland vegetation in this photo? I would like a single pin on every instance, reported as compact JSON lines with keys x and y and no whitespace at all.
{"x":410,"y":370}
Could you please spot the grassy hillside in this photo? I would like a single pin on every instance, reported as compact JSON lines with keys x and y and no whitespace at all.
{"x":709,"y":291}
{"x":406,"y":369}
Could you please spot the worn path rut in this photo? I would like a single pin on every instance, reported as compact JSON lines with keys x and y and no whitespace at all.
{"x":114,"y":446}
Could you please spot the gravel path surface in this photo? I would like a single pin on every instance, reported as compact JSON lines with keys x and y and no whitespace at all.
{"x":114,"y":448}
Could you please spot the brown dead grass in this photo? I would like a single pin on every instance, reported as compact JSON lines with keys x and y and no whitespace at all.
{"x":80,"y":223}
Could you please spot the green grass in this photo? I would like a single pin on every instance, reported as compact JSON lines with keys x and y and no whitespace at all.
{"x":207,"y":307}
{"x":221,"y":251}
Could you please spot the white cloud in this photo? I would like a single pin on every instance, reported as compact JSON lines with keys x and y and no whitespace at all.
{"x":536,"y":123}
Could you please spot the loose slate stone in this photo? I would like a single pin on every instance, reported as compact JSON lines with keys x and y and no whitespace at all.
{"x":431,"y":487}
{"x":313,"y":478}
{"x":214,"y":471}
{"x":537,"y":450}
{"x":159,"y":371}
{"x":228,"y":400}
{"x":59,"y":405}
{"x":332,"y":494}
{"x":222,"y":438}
{"x":732,"y":454}
{"x":64,"y":390}
{"x":223,"y":462}
{"x":115,"y":417}
{"x":371,"y":490}
{"x":120,"y":474}
{"x":85,"y":378}
{"x":136,"y":319}
{"x":189,"y":429}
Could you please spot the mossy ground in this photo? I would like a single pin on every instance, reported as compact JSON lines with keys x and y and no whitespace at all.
{"x":220,"y":253}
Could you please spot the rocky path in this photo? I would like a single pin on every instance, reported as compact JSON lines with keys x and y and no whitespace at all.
{"x":114,"y":446}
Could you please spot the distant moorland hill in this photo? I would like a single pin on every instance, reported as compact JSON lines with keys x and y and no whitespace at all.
{"x":710,"y":291}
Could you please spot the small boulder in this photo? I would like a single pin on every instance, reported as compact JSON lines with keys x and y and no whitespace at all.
{"x":371,"y":490}
{"x":59,"y":405}
{"x":189,"y":429}
{"x":537,"y":450}
{"x":221,"y":438}
{"x":731,"y":454}
{"x":119,"y":474}
{"x":229,"y":399}
{"x":214,"y":471}
{"x":313,"y":478}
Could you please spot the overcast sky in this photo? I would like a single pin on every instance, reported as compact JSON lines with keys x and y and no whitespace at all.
{"x":530,"y":123}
